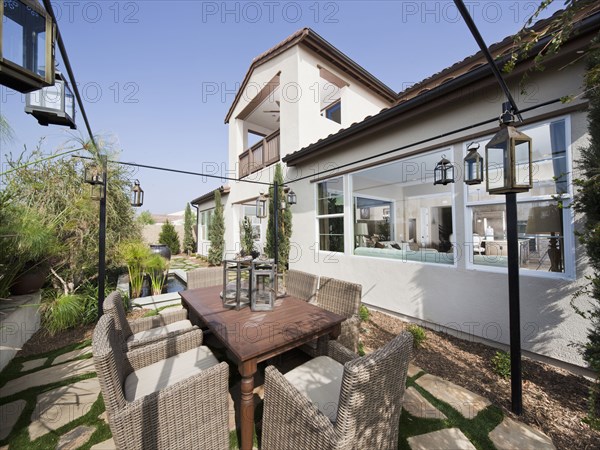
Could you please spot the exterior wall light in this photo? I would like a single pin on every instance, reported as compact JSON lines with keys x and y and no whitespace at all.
{"x":508,"y":166}
{"x":53,"y":105}
{"x":473,"y":165}
{"x":27,"y":36}
{"x":137,"y":195}
{"x":443,"y":172}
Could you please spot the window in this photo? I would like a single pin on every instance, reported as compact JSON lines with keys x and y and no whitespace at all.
{"x":205,"y":217}
{"x":330,"y":215}
{"x":400,"y":214}
{"x":250,"y":212}
{"x":543,"y":228}
{"x":334,"y":112}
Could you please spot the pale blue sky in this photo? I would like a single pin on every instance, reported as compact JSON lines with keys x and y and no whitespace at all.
{"x":141,"y":67}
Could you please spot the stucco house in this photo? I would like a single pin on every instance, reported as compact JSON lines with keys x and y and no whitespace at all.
{"x":361,"y":158}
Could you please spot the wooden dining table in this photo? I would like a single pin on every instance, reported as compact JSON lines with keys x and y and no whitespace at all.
{"x":255,"y":336}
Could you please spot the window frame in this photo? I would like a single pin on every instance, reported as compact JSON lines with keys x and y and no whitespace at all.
{"x":343,"y":215}
{"x":568,"y":216}
{"x":331,"y":108}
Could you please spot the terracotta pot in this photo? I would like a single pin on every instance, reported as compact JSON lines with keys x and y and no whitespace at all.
{"x":162,"y":249}
{"x":30,"y":280}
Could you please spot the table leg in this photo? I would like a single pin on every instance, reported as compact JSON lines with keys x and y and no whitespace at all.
{"x":247,"y":370}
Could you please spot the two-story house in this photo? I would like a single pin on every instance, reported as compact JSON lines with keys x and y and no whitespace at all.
{"x":301,"y":90}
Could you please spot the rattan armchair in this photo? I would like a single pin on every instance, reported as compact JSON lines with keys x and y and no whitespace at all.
{"x":302,"y":285}
{"x":343,"y":298}
{"x":204,"y":277}
{"x":324,"y":405}
{"x":145,"y":330}
{"x":169,"y":395}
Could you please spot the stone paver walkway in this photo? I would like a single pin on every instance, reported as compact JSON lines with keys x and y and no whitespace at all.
{"x":54,"y":409}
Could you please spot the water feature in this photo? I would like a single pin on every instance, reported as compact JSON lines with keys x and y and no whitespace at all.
{"x":174,"y":284}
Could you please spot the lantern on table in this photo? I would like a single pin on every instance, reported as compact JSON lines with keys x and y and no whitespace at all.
{"x":236,"y":283}
{"x":262,"y":294}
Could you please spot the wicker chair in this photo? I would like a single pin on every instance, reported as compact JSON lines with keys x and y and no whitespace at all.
{"x":145,"y":330}
{"x":204,"y":277}
{"x":302,"y":285}
{"x":343,"y":298}
{"x":168,"y":395}
{"x":324,"y":405}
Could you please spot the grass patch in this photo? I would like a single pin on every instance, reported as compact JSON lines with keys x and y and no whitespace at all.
{"x":476,"y":429}
{"x":13,"y":369}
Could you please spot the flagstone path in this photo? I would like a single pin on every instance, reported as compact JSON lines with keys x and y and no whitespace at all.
{"x":56,"y":408}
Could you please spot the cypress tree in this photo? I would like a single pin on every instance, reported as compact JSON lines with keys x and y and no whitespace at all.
{"x":189,"y":243}
{"x":216,"y":233}
{"x":284,"y":222}
{"x":169,"y":236}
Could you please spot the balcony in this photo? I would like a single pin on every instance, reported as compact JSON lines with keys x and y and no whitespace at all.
{"x":260,"y":155}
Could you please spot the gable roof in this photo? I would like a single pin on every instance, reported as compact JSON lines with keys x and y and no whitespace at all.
{"x":463,"y":73}
{"x":311,"y":40}
{"x":210,"y":195}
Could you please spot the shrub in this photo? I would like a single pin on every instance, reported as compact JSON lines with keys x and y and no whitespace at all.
{"x":189,"y":243}
{"x":168,"y":236}
{"x":361,"y":349}
{"x":364,"y":313}
{"x":216,"y":233}
{"x":64,"y":312}
{"x":501,"y":364}
{"x":135,"y":254}
{"x":418,"y":333}
{"x":156,"y":266}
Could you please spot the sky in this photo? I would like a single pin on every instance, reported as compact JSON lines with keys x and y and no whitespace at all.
{"x":157,"y":77}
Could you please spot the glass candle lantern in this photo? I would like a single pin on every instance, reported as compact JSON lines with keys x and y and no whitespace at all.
{"x":236,"y":283}
{"x":263,"y":285}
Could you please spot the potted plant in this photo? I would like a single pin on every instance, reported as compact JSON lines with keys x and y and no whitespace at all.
{"x":28,"y":244}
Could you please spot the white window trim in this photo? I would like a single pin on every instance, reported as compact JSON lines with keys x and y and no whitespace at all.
{"x":318,"y":250}
{"x":567,"y":212}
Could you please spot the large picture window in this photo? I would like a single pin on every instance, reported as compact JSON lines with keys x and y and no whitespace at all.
{"x":330,"y":214}
{"x":205,"y":217}
{"x":400,"y":214}
{"x":543,"y":228}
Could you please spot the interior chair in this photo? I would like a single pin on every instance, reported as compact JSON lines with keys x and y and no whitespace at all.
{"x":302,"y":285}
{"x":172,"y":394}
{"x":343,"y":298}
{"x":145,"y":330}
{"x":339,"y":401}
{"x":204,"y":277}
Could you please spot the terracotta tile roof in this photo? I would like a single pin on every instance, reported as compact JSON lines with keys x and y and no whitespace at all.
{"x":431,"y":85}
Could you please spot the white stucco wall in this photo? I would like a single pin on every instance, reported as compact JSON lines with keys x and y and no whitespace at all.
{"x":458,"y":296}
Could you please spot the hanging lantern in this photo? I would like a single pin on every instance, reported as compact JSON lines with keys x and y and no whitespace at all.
{"x":97,"y":191}
{"x":262,"y":295}
{"x":93,"y":174}
{"x":26,"y":46}
{"x":291,"y":197}
{"x":508,"y":166}
{"x":261,"y":206}
{"x":53,"y":105}
{"x":443,"y":172}
{"x":137,"y":195}
{"x":473,"y":165}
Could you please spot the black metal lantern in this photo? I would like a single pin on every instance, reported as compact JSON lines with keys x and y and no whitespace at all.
{"x":53,"y":105}
{"x":137,"y":194}
{"x":262,"y":295}
{"x":93,"y":174}
{"x":473,"y":165}
{"x":26,"y":45}
{"x":508,"y":166}
{"x":261,"y":206}
{"x":292,"y":198}
{"x":443,"y":172}
{"x":237,"y":281}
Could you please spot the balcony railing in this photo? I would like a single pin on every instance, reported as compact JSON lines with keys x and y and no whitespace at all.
{"x":262,"y":154}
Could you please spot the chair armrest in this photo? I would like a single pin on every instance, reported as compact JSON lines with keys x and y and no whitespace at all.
{"x":193,"y":412}
{"x":160,"y":320}
{"x":150,"y":340}
{"x":164,"y":348}
{"x":340,"y":353}
{"x":350,"y":333}
{"x":290,"y":417}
